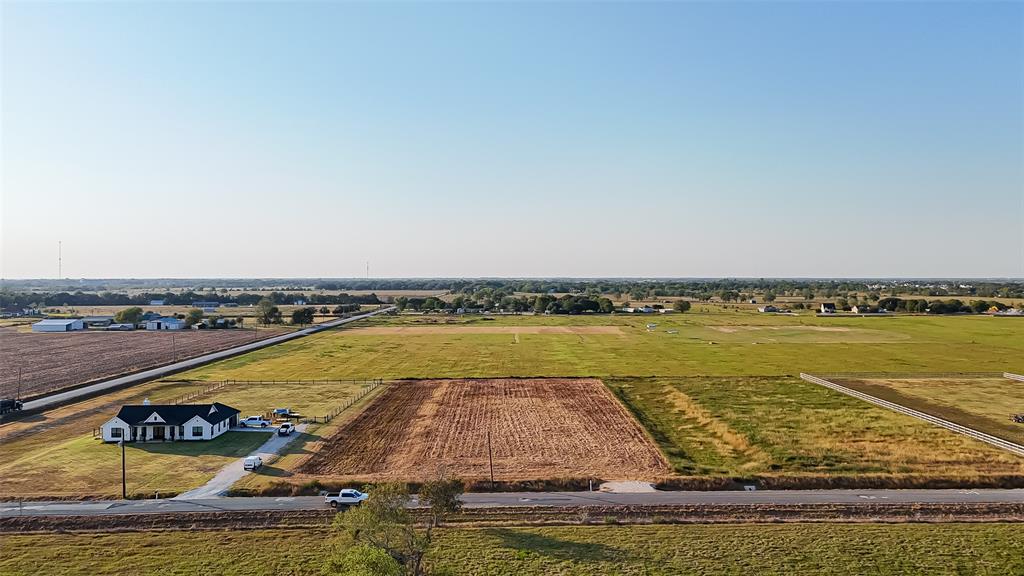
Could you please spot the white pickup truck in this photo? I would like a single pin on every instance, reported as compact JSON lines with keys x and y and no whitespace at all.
{"x":254,"y":422}
{"x":345,"y":498}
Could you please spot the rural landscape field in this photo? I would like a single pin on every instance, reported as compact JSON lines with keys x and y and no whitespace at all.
{"x":356,"y":288}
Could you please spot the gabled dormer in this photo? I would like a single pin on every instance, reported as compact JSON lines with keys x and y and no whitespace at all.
{"x":154,"y":418}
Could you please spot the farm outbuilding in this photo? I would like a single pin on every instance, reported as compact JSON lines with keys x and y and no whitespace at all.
{"x":165,"y":323}
{"x":58,"y":325}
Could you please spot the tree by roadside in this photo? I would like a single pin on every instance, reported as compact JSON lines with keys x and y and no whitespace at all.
{"x":303,"y":316}
{"x":385,"y":524}
{"x":267,"y":313}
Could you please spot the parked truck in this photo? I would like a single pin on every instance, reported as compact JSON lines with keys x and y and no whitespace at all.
{"x":9,"y":405}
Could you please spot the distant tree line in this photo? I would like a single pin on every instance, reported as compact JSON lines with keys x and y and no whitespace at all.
{"x":79,"y":298}
{"x":498,"y":302}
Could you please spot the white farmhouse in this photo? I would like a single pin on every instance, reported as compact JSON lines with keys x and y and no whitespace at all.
{"x":58,"y":325}
{"x":169,"y":422}
{"x":165,"y":323}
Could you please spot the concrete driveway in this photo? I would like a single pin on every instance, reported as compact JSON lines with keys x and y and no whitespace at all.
{"x":234,"y":472}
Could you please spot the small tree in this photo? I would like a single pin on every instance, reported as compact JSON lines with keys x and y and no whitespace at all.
{"x":194,"y":316}
{"x":681,"y":305}
{"x":266,"y":312}
{"x":129,"y":315}
{"x":303,"y":316}
{"x":363,"y":560}
{"x":384,"y":521}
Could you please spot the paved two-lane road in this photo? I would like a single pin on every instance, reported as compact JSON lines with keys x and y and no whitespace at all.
{"x":522,"y":499}
{"x":154,"y":373}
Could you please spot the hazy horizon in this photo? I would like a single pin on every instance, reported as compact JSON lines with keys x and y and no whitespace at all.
{"x":691,"y":140}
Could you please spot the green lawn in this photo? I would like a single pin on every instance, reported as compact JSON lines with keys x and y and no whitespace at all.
{"x":767,"y":427}
{"x":719,"y":344}
{"x":83,"y":466}
{"x":766,"y":550}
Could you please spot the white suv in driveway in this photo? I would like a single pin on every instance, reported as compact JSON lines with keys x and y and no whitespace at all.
{"x":254,"y":422}
{"x":345,"y":498}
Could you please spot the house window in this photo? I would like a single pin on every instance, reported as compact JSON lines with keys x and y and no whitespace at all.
{"x":197,"y":430}
{"x":116,"y":432}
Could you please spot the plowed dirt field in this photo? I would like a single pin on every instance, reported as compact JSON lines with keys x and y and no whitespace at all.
{"x":539,"y":429}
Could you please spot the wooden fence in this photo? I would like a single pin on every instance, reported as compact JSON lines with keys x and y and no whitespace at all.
{"x":367,"y":388}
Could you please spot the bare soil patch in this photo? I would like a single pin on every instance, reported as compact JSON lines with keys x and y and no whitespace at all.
{"x":734,"y":329}
{"x":441,"y":329}
{"x":539,"y":429}
{"x":50,"y":362}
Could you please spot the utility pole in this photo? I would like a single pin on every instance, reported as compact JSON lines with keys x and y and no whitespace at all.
{"x":124,"y":484}
{"x":174,"y":349}
{"x":490,"y":458}
{"x":60,"y":263}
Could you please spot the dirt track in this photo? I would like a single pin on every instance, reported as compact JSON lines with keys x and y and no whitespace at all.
{"x":540,"y":429}
{"x":442,"y":329}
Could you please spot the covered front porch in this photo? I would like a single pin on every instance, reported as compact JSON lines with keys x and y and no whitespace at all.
{"x":157,"y":433}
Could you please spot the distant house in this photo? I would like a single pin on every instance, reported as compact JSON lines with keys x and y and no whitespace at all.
{"x":768,"y":308}
{"x":300,"y":302}
{"x":98,"y":321}
{"x":169,"y":422}
{"x":828,"y":308}
{"x":150,"y":315}
{"x":58,"y":325}
{"x":864,"y":309}
{"x":638,"y":309}
{"x":156,"y":302}
{"x":753,"y":301}
{"x":165,"y":323}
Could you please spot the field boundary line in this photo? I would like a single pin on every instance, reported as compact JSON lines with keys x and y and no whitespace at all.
{"x":901,"y":375}
{"x":977,"y":435}
{"x":1013,"y":376}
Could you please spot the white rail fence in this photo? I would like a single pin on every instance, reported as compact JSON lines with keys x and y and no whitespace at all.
{"x":1013,"y":376}
{"x":987,"y":438}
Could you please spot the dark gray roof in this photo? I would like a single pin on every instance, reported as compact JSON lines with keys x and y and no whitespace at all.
{"x":175,"y":414}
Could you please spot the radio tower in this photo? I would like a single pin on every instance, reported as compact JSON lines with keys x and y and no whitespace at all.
{"x":367,"y":269}
{"x":60,"y":263}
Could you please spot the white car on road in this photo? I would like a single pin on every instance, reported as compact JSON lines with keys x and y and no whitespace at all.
{"x":254,"y":422}
{"x":345,"y":498}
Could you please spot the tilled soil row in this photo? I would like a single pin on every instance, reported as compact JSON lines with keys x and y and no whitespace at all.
{"x":522,"y":516}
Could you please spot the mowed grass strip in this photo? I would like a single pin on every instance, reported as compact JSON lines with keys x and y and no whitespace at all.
{"x":736,"y":343}
{"x":768,"y":550}
{"x":985,"y":404}
{"x":790,"y":433}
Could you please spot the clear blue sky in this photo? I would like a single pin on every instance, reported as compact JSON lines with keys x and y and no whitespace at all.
{"x":691,"y":139}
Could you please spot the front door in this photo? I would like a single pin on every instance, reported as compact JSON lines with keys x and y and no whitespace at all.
{"x":158,"y":433}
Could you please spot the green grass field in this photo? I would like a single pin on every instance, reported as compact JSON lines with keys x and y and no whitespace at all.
{"x":775,"y":427}
{"x":767,"y":550}
{"x":718,"y":344}
{"x":62,"y":459}
{"x":985,"y":404}
{"x":83,"y":467}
